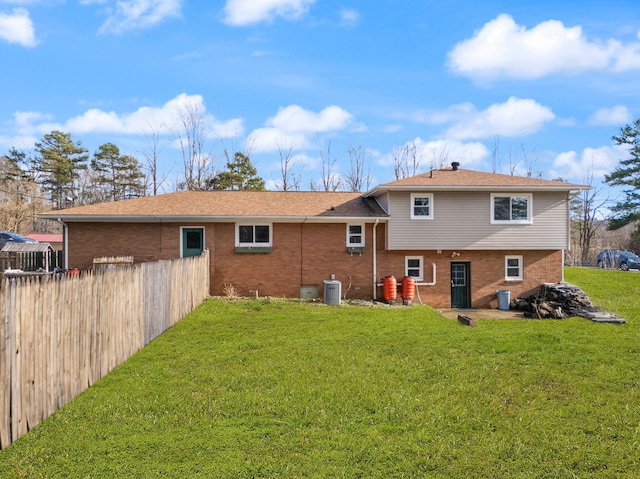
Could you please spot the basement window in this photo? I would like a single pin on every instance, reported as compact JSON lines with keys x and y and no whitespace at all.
{"x":513,"y":269}
{"x":413,"y":267}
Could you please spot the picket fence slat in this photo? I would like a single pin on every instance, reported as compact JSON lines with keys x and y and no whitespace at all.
{"x":60,"y":334}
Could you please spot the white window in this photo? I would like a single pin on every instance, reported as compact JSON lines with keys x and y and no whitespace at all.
{"x":253,"y":235}
{"x":510,"y":208}
{"x":421,"y":206}
{"x":413,"y":267}
{"x":513,"y":270}
{"x":355,"y":235}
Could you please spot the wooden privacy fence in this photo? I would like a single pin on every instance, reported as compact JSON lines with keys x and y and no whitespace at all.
{"x":60,"y":334}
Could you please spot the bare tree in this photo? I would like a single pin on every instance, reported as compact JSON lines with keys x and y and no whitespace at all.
{"x":406,"y":161}
{"x":495,"y":155}
{"x":586,"y":206}
{"x":358,"y":178}
{"x":192,"y":134}
{"x":331,"y":180}
{"x":151,"y":155}
{"x":530,"y":161}
{"x":290,"y":177}
{"x":440,"y":157}
{"x":20,"y":197}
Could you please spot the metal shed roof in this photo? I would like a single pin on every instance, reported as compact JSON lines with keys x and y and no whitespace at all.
{"x":27,"y":247}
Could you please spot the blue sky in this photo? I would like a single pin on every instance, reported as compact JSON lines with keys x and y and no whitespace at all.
{"x":537,"y":86}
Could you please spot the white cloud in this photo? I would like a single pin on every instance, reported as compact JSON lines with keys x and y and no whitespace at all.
{"x":271,"y":139}
{"x":138,"y":14}
{"x":296,"y":118}
{"x":439,"y":153}
{"x":247,"y":12}
{"x":349,"y":17}
{"x":515,"y":117}
{"x":293,"y":125}
{"x":617,"y":115}
{"x":16,"y":27}
{"x":574,"y":166}
{"x":139,"y":122}
{"x":502,"y":48}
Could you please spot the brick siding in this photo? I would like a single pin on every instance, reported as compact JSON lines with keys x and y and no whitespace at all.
{"x":308,"y":254}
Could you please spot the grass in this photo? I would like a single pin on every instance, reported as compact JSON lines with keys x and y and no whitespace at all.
{"x":267,"y":388}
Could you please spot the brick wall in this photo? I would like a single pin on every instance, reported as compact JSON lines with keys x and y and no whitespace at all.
{"x":302,"y":254}
{"x":143,"y":241}
{"x":487,"y":273}
{"x":308,"y":254}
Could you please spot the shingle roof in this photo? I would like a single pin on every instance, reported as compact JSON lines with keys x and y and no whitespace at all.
{"x":319,"y":205}
{"x":229,"y":204}
{"x":448,"y":178}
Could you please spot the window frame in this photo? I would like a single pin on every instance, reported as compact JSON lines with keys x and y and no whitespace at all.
{"x":414,"y":196}
{"x":361,"y":244}
{"x":529,"y":198}
{"x":254,"y":244}
{"x":520,"y":276}
{"x":420,"y":268}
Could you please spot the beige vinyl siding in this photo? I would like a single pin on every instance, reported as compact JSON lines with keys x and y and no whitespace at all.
{"x":383,"y":201}
{"x":461,"y":220}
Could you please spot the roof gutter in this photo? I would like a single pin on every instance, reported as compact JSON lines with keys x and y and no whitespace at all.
{"x":207,"y":218}
{"x":519,"y":188}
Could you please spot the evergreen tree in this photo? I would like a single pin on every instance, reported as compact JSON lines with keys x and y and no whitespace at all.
{"x":627,"y":174}
{"x":240,"y":175}
{"x":60,"y":162}
{"x":118,"y":176}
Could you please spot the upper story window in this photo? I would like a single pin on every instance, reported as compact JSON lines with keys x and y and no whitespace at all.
{"x":511,"y":208}
{"x":422,"y":206}
{"x":253,"y":235}
{"x":355,"y":235}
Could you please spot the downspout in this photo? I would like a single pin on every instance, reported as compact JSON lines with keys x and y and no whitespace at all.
{"x":65,"y":237}
{"x":375,"y":260}
{"x":567,"y":245}
{"x":301,"y":254}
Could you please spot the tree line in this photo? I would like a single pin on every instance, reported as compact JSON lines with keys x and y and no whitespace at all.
{"x":596,"y":217}
{"x":60,"y":173}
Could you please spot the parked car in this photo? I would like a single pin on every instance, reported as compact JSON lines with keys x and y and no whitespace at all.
{"x":613,"y":258}
{"x":9,"y":237}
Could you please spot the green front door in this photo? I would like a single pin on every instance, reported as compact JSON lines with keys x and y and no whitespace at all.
{"x":192,"y":241}
{"x":461,"y":284}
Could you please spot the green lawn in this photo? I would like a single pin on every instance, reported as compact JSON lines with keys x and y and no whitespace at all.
{"x":263,"y":388}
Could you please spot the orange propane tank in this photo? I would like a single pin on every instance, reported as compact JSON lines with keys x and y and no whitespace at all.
{"x":408,"y":289}
{"x":389,"y":289}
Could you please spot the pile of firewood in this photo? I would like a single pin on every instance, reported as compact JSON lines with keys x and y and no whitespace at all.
{"x":559,"y":300}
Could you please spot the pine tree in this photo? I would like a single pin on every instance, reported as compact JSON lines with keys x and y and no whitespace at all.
{"x":627,"y":174}
{"x":240,"y":175}
{"x":60,"y":162}
{"x":118,"y":176}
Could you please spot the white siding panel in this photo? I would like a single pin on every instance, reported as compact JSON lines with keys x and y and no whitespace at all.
{"x":461,"y":220}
